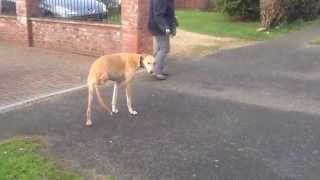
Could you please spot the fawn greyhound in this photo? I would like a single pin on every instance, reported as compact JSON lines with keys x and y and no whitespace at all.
{"x":119,"y":68}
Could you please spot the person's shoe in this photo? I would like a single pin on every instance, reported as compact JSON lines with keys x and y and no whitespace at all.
{"x":160,"y":77}
{"x":166,"y":74}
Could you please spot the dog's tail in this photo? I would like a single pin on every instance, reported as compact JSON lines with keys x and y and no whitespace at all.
{"x":102,"y":103}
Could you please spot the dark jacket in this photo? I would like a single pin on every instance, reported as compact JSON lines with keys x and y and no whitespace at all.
{"x":162,"y":16}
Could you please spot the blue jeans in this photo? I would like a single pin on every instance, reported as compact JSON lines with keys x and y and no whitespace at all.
{"x":161,"y":52}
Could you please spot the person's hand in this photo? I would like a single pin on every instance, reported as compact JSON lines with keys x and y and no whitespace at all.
{"x":167,"y":31}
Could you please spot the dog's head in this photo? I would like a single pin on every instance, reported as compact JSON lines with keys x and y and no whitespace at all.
{"x":148,"y":62}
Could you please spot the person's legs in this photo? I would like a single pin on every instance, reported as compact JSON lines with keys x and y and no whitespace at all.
{"x":162,"y":49}
{"x":156,"y":47}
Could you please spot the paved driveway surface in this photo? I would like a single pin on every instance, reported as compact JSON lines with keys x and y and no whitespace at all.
{"x":244,"y":114}
{"x":27,"y":73}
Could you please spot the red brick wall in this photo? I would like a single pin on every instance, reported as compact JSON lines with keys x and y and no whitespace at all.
{"x":190,"y":4}
{"x":10,"y":30}
{"x":80,"y":37}
{"x":77,"y":37}
{"x":144,"y":36}
{"x":135,"y":34}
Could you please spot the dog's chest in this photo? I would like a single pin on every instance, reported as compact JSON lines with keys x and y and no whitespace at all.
{"x":117,"y":77}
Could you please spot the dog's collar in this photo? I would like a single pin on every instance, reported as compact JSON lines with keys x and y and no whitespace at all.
{"x":141,"y":62}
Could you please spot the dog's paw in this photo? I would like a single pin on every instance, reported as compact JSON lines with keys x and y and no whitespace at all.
{"x":88,"y":123}
{"x":133,"y":112}
{"x":115,"y":110}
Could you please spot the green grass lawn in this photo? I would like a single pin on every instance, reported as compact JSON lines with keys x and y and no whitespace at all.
{"x":20,"y":159}
{"x":218,"y":24}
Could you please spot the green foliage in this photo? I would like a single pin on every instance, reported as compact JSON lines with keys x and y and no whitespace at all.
{"x":219,"y":5}
{"x":243,"y":8}
{"x":305,"y":9}
{"x":208,"y":5}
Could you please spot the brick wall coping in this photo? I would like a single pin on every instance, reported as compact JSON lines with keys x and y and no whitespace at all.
{"x":74,"y":22}
{"x":7,"y":16}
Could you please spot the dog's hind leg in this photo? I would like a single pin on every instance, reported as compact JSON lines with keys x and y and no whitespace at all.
{"x":90,"y":99}
{"x":115,"y":98}
{"x":104,"y":106}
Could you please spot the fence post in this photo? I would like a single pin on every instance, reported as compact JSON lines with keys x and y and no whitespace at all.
{"x":134,"y":23}
{"x":25,"y":9}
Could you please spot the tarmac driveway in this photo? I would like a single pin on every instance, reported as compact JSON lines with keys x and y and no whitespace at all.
{"x":243,"y":114}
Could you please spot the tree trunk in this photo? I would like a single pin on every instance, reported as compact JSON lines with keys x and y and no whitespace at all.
{"x":272,"y":12}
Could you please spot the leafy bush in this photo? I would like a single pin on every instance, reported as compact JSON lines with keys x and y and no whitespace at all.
{"x":219,"y":5}
{"x":305,"y":9}
{"x":243,"y":8}
{"x":209,"y":5}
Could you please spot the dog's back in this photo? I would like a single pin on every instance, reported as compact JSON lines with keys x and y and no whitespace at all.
{"x":110,"y":67}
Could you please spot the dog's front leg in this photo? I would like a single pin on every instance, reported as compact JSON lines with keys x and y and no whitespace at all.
{"x":129,"y":98}
{"x":114,"y":98}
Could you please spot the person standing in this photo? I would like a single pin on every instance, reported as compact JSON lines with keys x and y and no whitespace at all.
{"x":162,"y":24}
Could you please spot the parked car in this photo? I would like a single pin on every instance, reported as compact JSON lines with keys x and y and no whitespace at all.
{"x":75,"y":8}
{"x":8,"y":7}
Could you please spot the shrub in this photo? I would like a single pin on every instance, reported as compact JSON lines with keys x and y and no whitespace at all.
{"x":243,"y":8}
{"x":209,"y":5}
